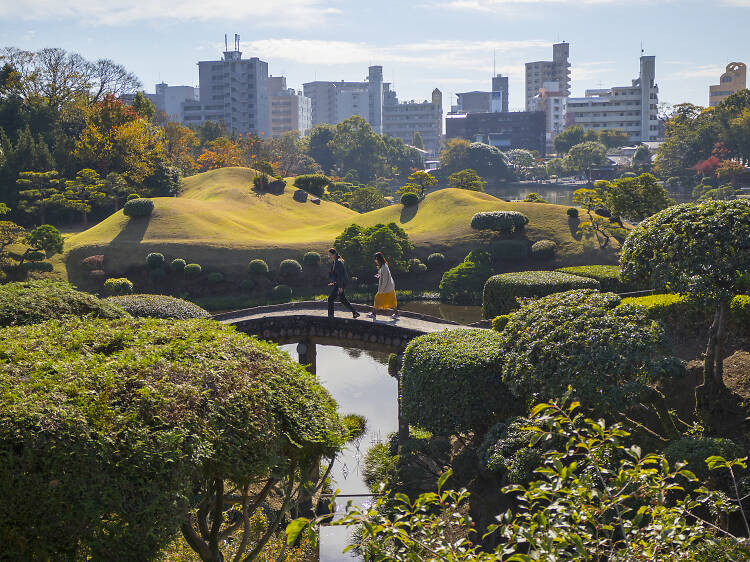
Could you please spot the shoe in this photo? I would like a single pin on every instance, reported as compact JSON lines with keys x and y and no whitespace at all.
{"x":372,"y":315}
{"x":355,"y":314}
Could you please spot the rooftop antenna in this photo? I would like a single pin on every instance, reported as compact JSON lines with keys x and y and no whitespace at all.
{"x":642,"y":51}
{"x":226,"y":44}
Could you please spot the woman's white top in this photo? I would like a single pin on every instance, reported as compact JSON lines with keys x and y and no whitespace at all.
{"x":385,"y":281}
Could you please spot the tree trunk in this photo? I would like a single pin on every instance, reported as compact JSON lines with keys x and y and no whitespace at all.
{"x":713,"y":365}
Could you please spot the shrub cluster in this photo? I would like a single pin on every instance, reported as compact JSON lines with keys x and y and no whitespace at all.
{"x":695,"y":451}
{"x":214,"y":278}
{"x":177,"y":265}
{"x":450,"y":382}
{"x":31,"y":302}
{"x":155,"y":260}
{"x":409,"y":199}
{"x":108,"y":425}
{"x":289,"y":269}
{"x":312,"y":183}
{"x":132,"y":196}
{"x":257,"y":267}
{"x":608,"y":276}
{"x":138,"y":208}
{"x":158,"y":306}
{"x":436,"y":260}
{"x":116,"y":286}
{"x":192,"y":269}
{"x":509,"y":250}
{"x":502,"y":221}
{"x":572,"y":212}
{"x":311,"y":259}
{"x":543,"y":249}
{"x":414,"y":265}
{"x":502,"y":291}
{"x":281,"y":293}
{"x":464,"y":283}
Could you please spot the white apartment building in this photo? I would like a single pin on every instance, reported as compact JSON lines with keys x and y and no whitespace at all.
{"x":553,"y":101}
{"x":556,"y":70}
{"x":402,"y":120}
{"x":289,"y":109}
{"x":632,"y":109}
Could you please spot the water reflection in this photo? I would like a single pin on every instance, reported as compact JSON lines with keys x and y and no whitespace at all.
{"x":359,"y":382}
{"x":452,"y":312}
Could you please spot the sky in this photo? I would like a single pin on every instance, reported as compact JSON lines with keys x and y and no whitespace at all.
{"x":448,"y":44}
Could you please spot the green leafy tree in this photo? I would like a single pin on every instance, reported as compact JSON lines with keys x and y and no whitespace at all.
{"x":642,"y":159}
{"x":598,"y":226}
{"x":521,"y":161}
{"x":613,"y":138}
{"x":454,"y":155}
{"x":40,"y":192}
{"x":144,"y":106}
{"x":584,"y":156}
{"x":636,"y":198}
{"x":466,"y":179}
{"x":365,"y":199}
{"x":699,"y":250}
{"x":85,"y":191}
{"x":572,"y":136}
{"x":416,"y":140}
{"x":116,"y":189}
{"x":316,"y":143}
{"x":358,"y":246}
{"x":418,"y":183}
{"x":355,"y":146}
{"x":46,"y":238}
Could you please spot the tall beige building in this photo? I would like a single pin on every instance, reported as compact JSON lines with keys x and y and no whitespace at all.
{"x":733,"y":80}
{"x":290,"y":110}
{"x":556,"y":70}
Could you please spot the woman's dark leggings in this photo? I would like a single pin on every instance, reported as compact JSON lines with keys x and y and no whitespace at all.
{"x":342,"y":297}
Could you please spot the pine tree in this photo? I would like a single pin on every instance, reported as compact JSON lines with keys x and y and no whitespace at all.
{"x":416,"y":140}
{"x":40,"y":191}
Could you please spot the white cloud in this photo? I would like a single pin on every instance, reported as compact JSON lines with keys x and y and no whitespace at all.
{"x":704,"y":71}
{"x":496,"y":5}
{"x":116,"y":12}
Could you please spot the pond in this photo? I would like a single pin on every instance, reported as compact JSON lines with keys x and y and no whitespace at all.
{"x":557,"y":193}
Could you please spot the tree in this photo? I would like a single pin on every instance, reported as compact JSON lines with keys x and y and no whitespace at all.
{"x":10,"y":234}
{"x":286,"y":151}
{"x":318,"y":147}
{"x":46,"y":238}
{"x":401,"y":159}
{"x":698,"y":250}
{"x":636,"y":198}
{"x":358,"y":246}
{"x":144,"y":106}
{"x":642,"y":159}
{"x":738,"y":136}
{"x":466,"y":179}
{"x":728,"y":170}
{"x":180,"y":145}
{"x":365,"y":199}
{"x":418,"y":182}
{"x":40,"y":191}
{"x":572,"y":136}
{"x":355,"y":146}
{"x":454,"y":155}
{"x":591,"y":199}
{"x":613,"y":138}
{"x":582,"y":157}
{"x":85,"y":191}
{"x":108,"y":77}
{"x":416,"y":140}
{"x":521,"y":161}
{"x":219,"y":153}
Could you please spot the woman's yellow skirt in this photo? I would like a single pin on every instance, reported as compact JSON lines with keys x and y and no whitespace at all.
{"x":384,"y":301}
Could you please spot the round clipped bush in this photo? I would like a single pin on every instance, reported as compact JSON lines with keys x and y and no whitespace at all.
{"x":450,"y":383}
{"x":257,"y":267}
{"x":501,"y":291}
{"x":281,"y":293}
{"x":500,"y":221}
{"x":115,"y":286}
{"x":31,"y":302}
{"x":543,"y":249}
{"x":419,"y":268}
{"x":138,"y":208}
{"x":603,"y":212}
{"x":132,"y":196}
{"x":464,"y":283}
{"x":177,"y":265}
{"x":607,"y":275}
{"x":436,"y":260}
{"x":193,"y":270}
{"x":519,"y":220}
{"x":409,"y":199}
{"x":39,"y":266}
{"x":572,"y":212}
{"x":509,"y":250}
{"x":110,"y":428}
{"x":314,"y":184}
{"x":155,"y":260}
{"x":214,"y":278}
{"x":158,"y":306}
{"x":311,"y":259}
{"x":499,"y":322}
{"x":247,"y":285}
{"x":35,"y":255}
{"x":289,"y":269}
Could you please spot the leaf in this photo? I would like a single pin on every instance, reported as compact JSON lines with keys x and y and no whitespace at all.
{"x":294,"y":529}
{"x":443,"y":477}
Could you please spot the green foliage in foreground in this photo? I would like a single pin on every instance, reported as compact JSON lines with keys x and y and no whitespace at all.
{"x":158,"y":306}
{"x":111,"y":432}
{"x":464,"y":283}
{"x":595,"y":497}
{"x":608,"y":276}
{"x":502,"y":291}
{"x":450,"y":382}
{"x":357,"y":245}
{"x":32,"y":302}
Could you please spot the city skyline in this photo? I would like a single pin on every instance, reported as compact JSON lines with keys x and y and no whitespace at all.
{"x":450,"y":45}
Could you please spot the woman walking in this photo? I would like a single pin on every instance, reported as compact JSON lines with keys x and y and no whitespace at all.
{"x":385,"y":299}
{"x":338,"y":278}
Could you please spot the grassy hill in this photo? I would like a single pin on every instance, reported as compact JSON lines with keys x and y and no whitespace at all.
{"x":219,"y":222}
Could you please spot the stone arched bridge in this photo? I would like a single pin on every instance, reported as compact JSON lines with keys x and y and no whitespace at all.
{"x":307,"y":323}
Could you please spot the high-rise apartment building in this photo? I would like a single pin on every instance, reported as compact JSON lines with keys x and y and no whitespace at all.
{"x":233,"y":91}
{"x":556,"y":70}
{"x":733,"y":80}
{"x":632,"y":109}
{"x":332,"y":102}
{"x":553,"y":102}
{"x":289,"y":109}
{"x":402,"y":120}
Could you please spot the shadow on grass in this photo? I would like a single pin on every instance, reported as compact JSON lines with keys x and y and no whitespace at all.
{"x":408,"y":213}
{"x":573,"y":223}
{"x":133,"y":230}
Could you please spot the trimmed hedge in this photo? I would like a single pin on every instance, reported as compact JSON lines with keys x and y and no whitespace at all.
{"x":409,"y":199}
{"x":435,"y":260}
{"x":607,"y":275}
{"x":312,"y":183}
{"x":543,"y":249}
{"x":193,"y":270}
{"x":177,"y":265}
{"x":450,"y":382}
{"x":116,"y":286}
{"x":155,"y":260}
{"x":132,"y":196}
{"x":281,"y":293}
{"x":509,"y":250}
{"x":289,"y":269}
{"x":501,"y":291}
{"x":31,"y":302}
{"x":465,"y":282}
{"x":572,"y":212}
{"x":138,"y":208}
{"x":502,"y":221}
{"x":108,"y":425}
{"x":40,"y":266}
{"x":311,"y":259}
{"x":158,"y":306}
{"x":247,"y":284}
{"x":214,"y":278}
{"x":257,"y":267}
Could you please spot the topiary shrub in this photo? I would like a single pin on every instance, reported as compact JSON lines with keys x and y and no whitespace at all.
{"x":696,"y":451}
{"x":500,"y":221}
{"x":138,"y":208}
{"x":608,"y":276}
{"x":247,"y":285}
{"x":502,"y":291}
{"x":441,"y":379}
{"x":214,"y":278}
{"x":436,"y":260}
{"x":38,"y":266}
{"x":158,"y":306}
{"x":509,"y":250}
{"x":93,"y":262}
{"x":543,"y":249}
{"x":132,"y":196}
{"x":289,"y":269}
{"x":281,"y":293}
{"x":155,"y":260}
{"x":31,"y":302}
{"x":193,"y":270}
{"x":115,"y":286}
{"x":464,"y":283}
{"x":409,"y":199}
{"x":499,"y":322}
{"x":419,"y":268}
{"x":572,"y":212}
{"x":312,"y":183}
{"x":609,"y":355}
{"x":177,"y":265}
{"x":311,"y":259}
{"x":112,"y":428}
{"x":603,"y":212}
{"x":257,"y":267}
